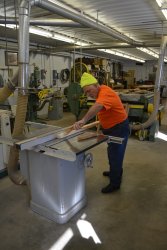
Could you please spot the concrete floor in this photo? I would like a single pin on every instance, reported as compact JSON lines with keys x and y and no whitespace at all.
{"x":134,"y":218}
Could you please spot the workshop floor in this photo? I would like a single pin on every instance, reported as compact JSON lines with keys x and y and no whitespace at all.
{"x":133,"y":218}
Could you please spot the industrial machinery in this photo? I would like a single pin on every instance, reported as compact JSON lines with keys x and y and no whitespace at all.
{"x":5,"y":131}
{"x":53,"y":164}
{"x":33,"y":99}
{"x":38,"y":97}
{"x":77,"y":70}
{"x":55,"y":111}
{"x":74,"y":98}
{"x":140,"y":106}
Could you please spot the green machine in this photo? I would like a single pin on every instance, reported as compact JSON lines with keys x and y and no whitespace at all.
{"x":33,"y":99}
{"x":75,"y":98}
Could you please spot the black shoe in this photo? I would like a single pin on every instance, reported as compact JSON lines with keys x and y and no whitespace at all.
{"x":106,"y":173}
{"x":109,"y":189}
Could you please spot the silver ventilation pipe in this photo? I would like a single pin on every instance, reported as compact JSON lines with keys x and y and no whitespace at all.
{"x":77,"y":17}
{"x":158,"y":80}
{"x":55,"y":22}
{"x":8,"y":21}
{"x":114,"y":45}
{"x":44,"y":22}
{"x":24,"y":11}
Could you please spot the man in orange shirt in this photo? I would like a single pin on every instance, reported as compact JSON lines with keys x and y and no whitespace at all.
{"x":114,"y":122}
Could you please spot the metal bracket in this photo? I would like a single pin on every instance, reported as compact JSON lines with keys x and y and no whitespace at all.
{"x":88,"y":160}
{"x":58,"y":153}
{"x":113,"y":139}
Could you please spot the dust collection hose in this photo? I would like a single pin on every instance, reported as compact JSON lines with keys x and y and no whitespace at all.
{"x":5,"y":92}
{"x":13,"y":171}
{"x":22,"y":100}
{"x":9,"y":88}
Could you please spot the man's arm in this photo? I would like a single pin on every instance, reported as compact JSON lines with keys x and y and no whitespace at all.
{"x":89,"y":115}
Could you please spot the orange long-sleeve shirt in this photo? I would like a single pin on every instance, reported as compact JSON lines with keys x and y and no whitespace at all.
{"x":113,"y":111}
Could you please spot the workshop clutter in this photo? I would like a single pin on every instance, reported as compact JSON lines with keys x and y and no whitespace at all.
{"x":129,"y":77}
{"x":98,"y":67}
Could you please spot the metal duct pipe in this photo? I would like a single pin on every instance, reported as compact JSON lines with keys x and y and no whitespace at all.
{"x":153,"y":115}
{"x":55,"y":22}
{"x":43,"y":22}
{"x":91,"y":47}
{"x":24,"y":10}
{"x":114,"y":45}
{"x":47,"y":50}
{"x":8,"y":21}
{"x":83,"y":20}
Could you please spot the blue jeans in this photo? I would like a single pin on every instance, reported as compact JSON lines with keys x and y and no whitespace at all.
{"x":116,"y":151}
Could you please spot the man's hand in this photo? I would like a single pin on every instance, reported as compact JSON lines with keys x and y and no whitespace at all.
{"x":79,"y":124}
{"x":89,"y":115}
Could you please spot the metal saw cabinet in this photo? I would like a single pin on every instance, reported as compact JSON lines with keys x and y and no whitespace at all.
{"x":55,"y":171}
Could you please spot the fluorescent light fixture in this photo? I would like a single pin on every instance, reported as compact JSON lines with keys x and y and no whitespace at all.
{"x":50,"y":34}
{"x":160,"y":4}
{"x":40,"y":32}
{"x":165,"y":13}
{"x":121,"y":54}
{"x":53,"y":35}
{"x":69,"y":39}
{"x":80,"y":43}
{"x":11,"y":26}
{"x":63,"y":38}
{"x":150,"y":52}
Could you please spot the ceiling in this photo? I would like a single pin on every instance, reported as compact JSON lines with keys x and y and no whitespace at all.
{"x":141,"y":22}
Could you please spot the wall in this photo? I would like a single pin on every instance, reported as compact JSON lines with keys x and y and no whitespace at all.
{"x":49,"y":63}
{"x":59,"y":62}
{"x":4,"y":68}
{"x":142,"y":71}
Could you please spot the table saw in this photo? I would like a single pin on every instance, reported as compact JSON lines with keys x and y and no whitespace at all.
{"x":55,"y":169}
